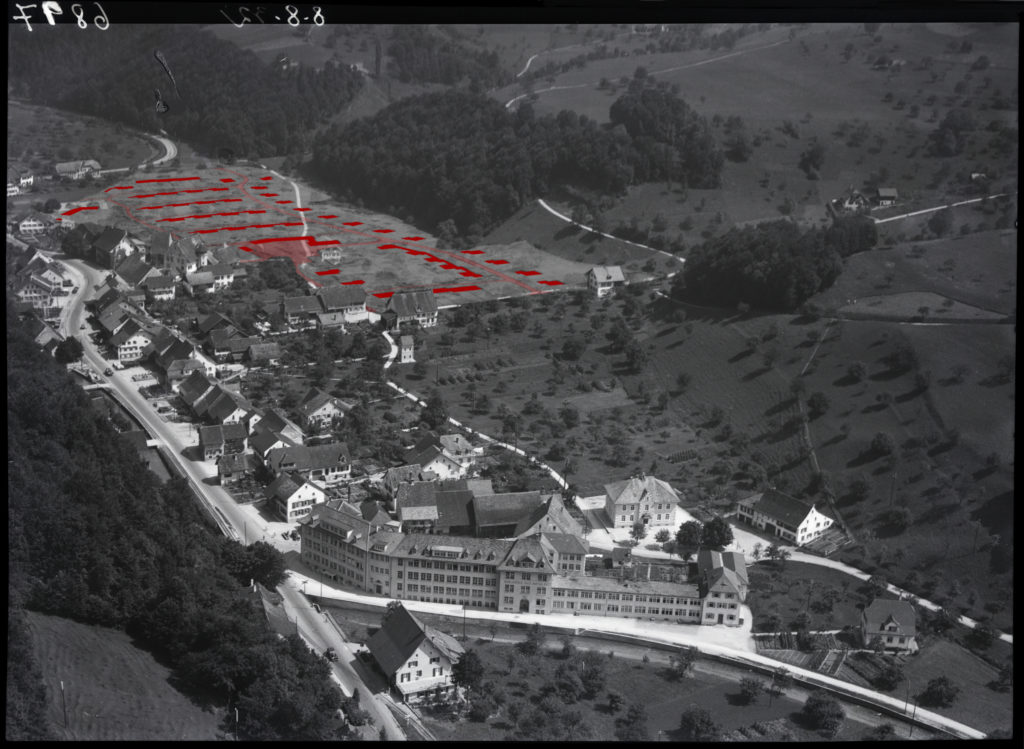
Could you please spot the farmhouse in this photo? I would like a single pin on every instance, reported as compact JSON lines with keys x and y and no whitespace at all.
{"x":275,"y":421}
{"x":264,"y":353}
{"x":160,"y":288}
{"x":130,"y":341}
{"x":327,"y":464}
{"x":76,"y":169}
{"x":640,"y":499}
{"x":602,"y":279}
{"x":410,"y":306}
{"x":416,"y":659}
{"x":459,"y":449}
{"x":893,"y":623}
{"x":178,"y":256}
{"x":133,"y":271}
{"x":786,"y":517}
{"x":341,"y":304}
{"x":300,"y":310}
{"x":32,"y":224}
{"x":433,"y":462}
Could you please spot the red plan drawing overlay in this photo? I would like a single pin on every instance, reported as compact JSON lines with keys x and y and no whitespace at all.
{"x":73,"y":211}
{"x":303,"y":249}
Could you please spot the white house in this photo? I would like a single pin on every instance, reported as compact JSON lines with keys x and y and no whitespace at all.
{"x":786,"y":517}
{"x":602,"y":279}
{"x":641,"y":499}
{"x":406,"y":345}
{"x":294,"y":496}
{"x":416,"y":659}
{"x":460,"y":449}
{"x":893,"y":623}
{"x":411,"y":306}
{"x":327,"y":464}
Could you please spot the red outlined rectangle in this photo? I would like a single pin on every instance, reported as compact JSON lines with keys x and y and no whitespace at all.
{"x":73,"y":211}
{"x":332,"y":272}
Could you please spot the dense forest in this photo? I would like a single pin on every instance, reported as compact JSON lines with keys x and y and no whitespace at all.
{"x":228,"y":97}
{"x":460,"y":163}
{"x":422,"y":56}
{"x":774,"y":265}
{"x":93,"y":536}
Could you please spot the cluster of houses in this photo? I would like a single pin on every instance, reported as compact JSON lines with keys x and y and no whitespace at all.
{"x":18,"y":180}
{"x":855,"y":202}
{"x":42,"y":285}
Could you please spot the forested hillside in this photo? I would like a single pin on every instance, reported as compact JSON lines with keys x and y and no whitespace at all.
{"x":773,"y":265}
{"x":421,"y":55}
{"x":93,"y":536}
{"x":460,"y":163}
{"x":228,"y":97}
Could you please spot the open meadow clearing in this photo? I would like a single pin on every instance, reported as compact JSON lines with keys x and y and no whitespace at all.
{"x":38,"y":137}
{"x":113,"y":690}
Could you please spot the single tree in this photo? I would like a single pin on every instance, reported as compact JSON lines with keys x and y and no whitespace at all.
{"x":823,"y":712}
{"x":717,"y":533}
{"x":662,"y":536}
{"x":681,"y":662}
{"x":689,"y":533}
{"x":751,"y":689}
{"x":638,"y":531}
{"x":939,"y":692}
{"x":615,"y":702}
{"x":697,"y":724}
{"x":633,"y":727}
{"x":468,"y":671}
{"x":69,"y":350}
{"x":817,"y":404}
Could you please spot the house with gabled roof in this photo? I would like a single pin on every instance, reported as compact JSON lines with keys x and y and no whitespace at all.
{"x":232,"y":469}
{"x":320,"y":410}
{"x":347,"y":301}
{"x":178,"y":256}
{"x":460,"y":449}
{"x":416,"y":659}
{"x":293,"y":495}
{"x":641,"y":499}
{"x":784,"y":516}
{"x":111,"y":247}
{"x":603,"y":279}
{"x":327,"y":464}
{"x":404,"y":307}
{"x":134,"y":271}
{"x":160,"y":288}
{"x":498,"y":515}
{"x":264,"y":353}
{"x":33,"y":223}
{"x":300,"y":310}
{"x":76,"y":169}
{"x":549,"y":516}
{"x":891,"y":623}
{"x":131,"y":340}
{"x":222,"y":439}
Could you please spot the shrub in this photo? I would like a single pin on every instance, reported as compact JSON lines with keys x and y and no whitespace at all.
{"x":823,"y":712}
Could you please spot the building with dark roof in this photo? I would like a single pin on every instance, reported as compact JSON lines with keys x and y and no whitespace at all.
{"x":320,"y":410}
{"x":404,"y":307}
{"x":327,"y":464}
{"x":293,"y":496}
{"x":784,"y":516}
{"x":416,"y":659}
{"x":498,"y":515}
{"x":233,"y":469}
{"x":891,"y":623}
{"x":222,"y":439}
{"x":133,"y":271}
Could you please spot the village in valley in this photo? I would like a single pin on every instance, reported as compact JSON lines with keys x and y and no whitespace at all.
{"x":592,"y":469}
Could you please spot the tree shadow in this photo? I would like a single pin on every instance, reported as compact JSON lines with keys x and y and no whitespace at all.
{"x":941,"y":448}
{"x":994,"y":381}
{"x":845,"y":381}
{"x":741,"y":355}
{"x":569,"y":230}
{"x":873,"y":408}
{"x":755,"y":374}
{"x":865,"y":457}
{"x":736,"y":699}
{"x":909,"y":395}
{"x":780,"y":407}
{"x":887,"y":375}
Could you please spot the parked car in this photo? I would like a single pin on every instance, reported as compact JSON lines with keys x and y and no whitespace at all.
{"x":331,"y":655}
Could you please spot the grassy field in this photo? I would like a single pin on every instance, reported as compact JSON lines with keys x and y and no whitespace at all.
{"x":625,"y":421}
{"x":113,"y":691}
{"x":796,"y":588}
{"x":38,"y":137}
{"x":874,"y":124}
{"x":645,"y":684}
{"x":977,"y":704}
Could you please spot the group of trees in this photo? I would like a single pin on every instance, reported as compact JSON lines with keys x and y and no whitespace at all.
{"x":482,"y":163}
{"x":714,"y":534}
{"x":420,"y":54}
{"x":229,"y":98}
{"x":773,"y":265}
{"x":95,"y":537}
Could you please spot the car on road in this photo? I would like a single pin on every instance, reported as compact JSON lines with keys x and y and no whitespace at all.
{"x":331,"y":655}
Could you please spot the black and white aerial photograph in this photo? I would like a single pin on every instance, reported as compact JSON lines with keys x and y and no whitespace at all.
{"x":558,"y":372}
